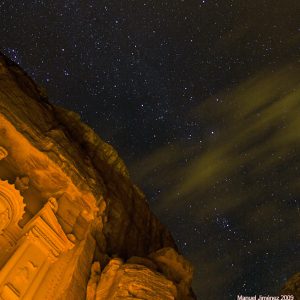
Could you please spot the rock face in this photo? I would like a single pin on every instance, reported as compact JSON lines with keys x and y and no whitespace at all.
{"x":73,"y":225}
{"x":133,"y":281}
{"x":292,"y":287}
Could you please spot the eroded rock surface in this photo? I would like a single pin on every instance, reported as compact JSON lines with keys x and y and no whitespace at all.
{"x":51,"y":158}
{"x":133,"y":281}
{"x":292,"y":287}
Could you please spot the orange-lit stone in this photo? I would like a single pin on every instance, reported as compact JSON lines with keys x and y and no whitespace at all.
{"x":69,"y":214}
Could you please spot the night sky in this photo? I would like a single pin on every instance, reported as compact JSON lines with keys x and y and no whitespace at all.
{"x":202,"y":101}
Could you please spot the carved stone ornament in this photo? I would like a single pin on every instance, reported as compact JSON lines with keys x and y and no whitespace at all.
{"x":11,"y":205}
{"x":3,"y":153}
{"x":71,"y":237}
{"x":22,"y":183}
{"x":53,"y":204}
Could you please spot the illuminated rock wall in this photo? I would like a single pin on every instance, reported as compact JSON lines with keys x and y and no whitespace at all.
{"x":72,"y":224}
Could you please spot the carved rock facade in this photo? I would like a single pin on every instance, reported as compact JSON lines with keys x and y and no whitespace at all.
{"x":72,"y":224}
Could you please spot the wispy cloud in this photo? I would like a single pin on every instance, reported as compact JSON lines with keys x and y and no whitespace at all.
{"x":248,"y":170}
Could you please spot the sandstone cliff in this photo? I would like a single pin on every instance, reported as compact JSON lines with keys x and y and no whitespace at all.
{"x":120,"y":249}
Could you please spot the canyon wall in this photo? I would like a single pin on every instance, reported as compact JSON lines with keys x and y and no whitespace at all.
{"x":72,"y":224}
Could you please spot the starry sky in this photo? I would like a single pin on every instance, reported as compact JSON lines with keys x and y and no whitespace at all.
{"x":202,"y":101}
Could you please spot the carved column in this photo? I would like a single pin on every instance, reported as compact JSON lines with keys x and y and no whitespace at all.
{"x":41,"y":244}
{"x":11,"y":206}
{"x":11,"y":212}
